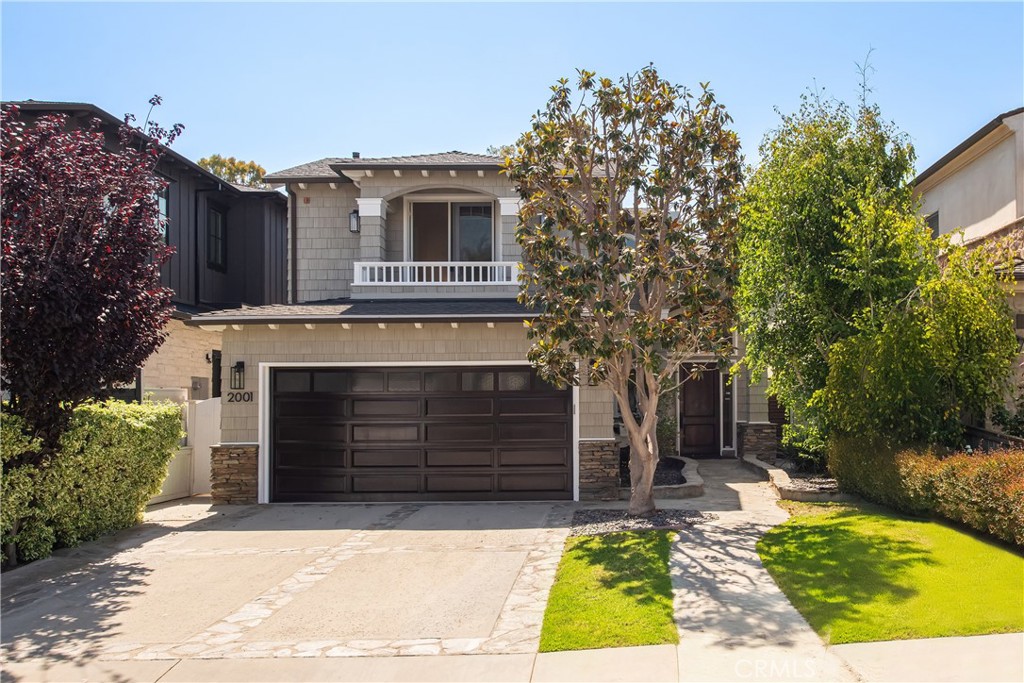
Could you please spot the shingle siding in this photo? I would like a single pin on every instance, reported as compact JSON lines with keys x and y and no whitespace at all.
{"x":367,"y":344}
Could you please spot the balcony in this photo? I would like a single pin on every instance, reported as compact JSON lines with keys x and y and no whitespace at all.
{"x":454,"y":279}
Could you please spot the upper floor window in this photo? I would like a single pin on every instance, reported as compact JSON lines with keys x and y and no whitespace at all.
{"x":932,"y":221}
{"x":162,"y":201}
{"x":216,"y":239}
{"x":451,"y":231}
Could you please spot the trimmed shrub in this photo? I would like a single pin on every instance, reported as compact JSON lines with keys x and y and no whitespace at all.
{"x":982,"y":491}
{"x":112,"y":459}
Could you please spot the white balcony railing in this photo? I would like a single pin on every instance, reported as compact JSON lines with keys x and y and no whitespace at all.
{"x":407,"y":273}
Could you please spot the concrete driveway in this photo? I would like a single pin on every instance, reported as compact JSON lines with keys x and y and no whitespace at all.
{"x":287,"y":581}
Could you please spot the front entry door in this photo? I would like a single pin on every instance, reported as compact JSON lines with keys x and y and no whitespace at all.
{"x":699,"y":415}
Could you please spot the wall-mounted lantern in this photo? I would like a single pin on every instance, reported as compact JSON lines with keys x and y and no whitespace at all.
{"x":238,"y":376}
{"x":353,"y":221}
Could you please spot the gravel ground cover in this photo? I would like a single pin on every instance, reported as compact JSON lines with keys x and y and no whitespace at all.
{"x":593,"y":522}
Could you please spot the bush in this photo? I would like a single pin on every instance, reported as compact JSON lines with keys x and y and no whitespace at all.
{"x":667,"y":431}
{"x":112,"y":459}
{"x":982,"y":491}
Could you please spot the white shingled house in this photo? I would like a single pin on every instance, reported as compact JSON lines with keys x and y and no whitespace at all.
{"x":398,"y":371}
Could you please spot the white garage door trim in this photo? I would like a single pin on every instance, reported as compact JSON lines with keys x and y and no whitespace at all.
{"x":264,"y":401}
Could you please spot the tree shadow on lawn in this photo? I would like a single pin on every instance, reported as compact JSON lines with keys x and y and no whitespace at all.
{"x":633,"y":564}
{"x":835,"y":567}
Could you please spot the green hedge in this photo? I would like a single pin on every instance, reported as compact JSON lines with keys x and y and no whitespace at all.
{"x":112,"y":459}
{"x":982,"y":491}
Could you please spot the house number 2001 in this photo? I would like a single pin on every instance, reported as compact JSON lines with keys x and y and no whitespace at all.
{"x":239,"y":396}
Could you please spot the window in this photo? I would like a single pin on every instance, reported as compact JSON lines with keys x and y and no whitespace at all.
{"x":216,"y":251}
{"x":215,"y":376}
{"x":163,"y":198}
{"x":472,"y":232}
{"x":932,"y":221}
{"x":452,"y":231}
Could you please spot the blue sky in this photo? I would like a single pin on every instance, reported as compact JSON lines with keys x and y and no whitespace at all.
{"x":284,"y":84}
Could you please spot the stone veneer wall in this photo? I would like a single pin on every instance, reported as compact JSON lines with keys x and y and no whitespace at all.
{"x":234,"y":474}
{"x":760,"y":440}
{"x":599,"y":470}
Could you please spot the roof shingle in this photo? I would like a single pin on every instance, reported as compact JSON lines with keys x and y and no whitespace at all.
{"x":331,"y":167}
{"x":372,"y":310}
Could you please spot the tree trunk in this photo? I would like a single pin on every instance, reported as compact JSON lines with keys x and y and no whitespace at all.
{"x":642,"y":462}
{"x":11,"y":549}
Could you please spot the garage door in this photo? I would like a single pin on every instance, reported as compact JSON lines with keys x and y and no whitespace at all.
{"x":391,"y":434}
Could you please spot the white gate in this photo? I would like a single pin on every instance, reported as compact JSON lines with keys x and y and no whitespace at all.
{"x":205,"y":432}
{"x":188,"y":473}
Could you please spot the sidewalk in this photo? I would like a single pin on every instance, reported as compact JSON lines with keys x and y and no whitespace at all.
{"x":981,"y":658}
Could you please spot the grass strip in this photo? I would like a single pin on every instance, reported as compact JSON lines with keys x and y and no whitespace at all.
{"x":611,"y":590}
{"x":860,"y":573}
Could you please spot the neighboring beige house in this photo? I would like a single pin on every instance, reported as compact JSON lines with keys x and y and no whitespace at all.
{"x":978,"y":187}
{"x":398,"y":370}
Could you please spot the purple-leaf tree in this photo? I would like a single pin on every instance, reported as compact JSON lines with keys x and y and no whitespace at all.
{"x":83,"y":306}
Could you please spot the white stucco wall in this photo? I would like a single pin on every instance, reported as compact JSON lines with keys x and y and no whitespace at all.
{"x":981,"y":190}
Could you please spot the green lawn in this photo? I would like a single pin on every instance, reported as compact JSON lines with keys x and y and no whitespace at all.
{"x":859,"y":573}
{"x":612,"y":590}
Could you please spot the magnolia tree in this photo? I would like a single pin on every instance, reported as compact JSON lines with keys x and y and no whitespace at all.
{"x":83,"y":306}
{"x":628,"y":231}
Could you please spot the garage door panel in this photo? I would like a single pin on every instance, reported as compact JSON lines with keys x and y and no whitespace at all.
{"x":306,"y":431}
{"x":533,"y":431}
{"x":391,"y":434}
{"x":362,"y":382}
{"x":466,"y":407}
{"x":310,"y":456}
{"x":457,"y":458}
{"x":461,"y":433}
{"x":382,"y":407}
{"x":292,"y":380}
{"x":310,"y":407}
{"x":385,"y":458}
{"x":403,"y":381}
{"x":554,"y":405}
{"x":534,"y":456}
{"x":288,"y":483}
{"x":362,"y":483}
{"x":385,"y":432}
{"x":481,"y":483}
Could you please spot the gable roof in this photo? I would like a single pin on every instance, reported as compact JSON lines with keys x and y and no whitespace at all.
{"x":965,"y":145}
{"x":331,"y":168}
{"x":40,"y":107}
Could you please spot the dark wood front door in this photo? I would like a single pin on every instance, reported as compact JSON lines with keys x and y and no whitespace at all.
{"x":699,"y":415}
{"x":444,"y":433}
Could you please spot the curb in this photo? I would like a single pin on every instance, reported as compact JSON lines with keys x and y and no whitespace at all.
{"x":780,"y":481}
{"x":693,"y":488}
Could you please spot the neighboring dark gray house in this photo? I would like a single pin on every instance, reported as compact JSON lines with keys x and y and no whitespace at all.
{"x":230,"y":250}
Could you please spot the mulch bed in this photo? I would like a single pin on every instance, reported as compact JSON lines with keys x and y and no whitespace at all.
{"x":668,"y":473}
{"x":808,"y":481}
{"x":598,"y":521}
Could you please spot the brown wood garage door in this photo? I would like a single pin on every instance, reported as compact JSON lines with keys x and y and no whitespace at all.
{"x":438,"y":433}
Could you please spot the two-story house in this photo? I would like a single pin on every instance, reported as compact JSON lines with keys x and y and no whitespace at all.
{"x":978,"y":188}
{"x":229,"y":244}
{"x":398,"y":370}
